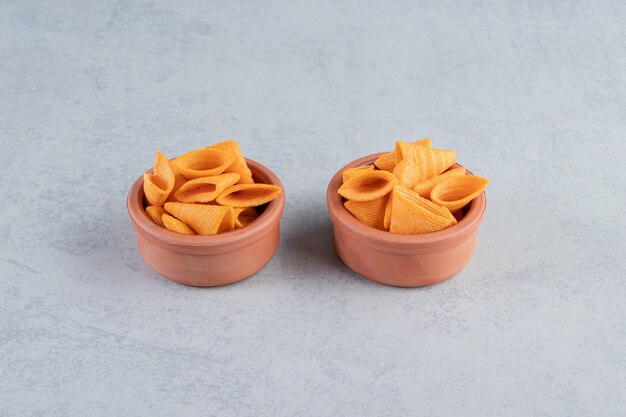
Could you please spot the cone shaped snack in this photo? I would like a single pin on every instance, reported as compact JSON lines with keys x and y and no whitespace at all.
{"x":228,"y":146}
{"x":175,"y":225}
{"x":248,"y":195}
{"x":456,"y":192}
{"x":369,"y":186}
{"x":155,"y":213}
{"x":423,"y":188}
{"x":206,"y":189}
{"x":407,"y":172}
{"x":371,"y":213}
{"x":405,"y":150}
{"x":244,"y":215}
{"x":179,"y":180}
{"x":356,"y":171}
{"x":239,"y":165}
{"x":430,"y":162}
{"x":387,"y":215}
{"x":159,"y":185}
{"x":387,"y":161}
{"x":203,"y":219}
{"x":412,"y":214}
{"x":228,"y":221}
{"x":206,"y":162}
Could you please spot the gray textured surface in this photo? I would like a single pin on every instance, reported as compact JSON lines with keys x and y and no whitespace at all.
{"x":532,"y":96}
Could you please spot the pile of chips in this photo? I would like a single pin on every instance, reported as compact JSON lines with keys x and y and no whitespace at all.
{"x":205,"y":191}
{"x":410,"y":190}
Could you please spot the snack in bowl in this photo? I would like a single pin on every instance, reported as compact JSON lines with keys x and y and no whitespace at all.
{"x":410,"y":190}
{"x":408,"y":217}
{"x":199,"y":192}
{"x":187,"y":236}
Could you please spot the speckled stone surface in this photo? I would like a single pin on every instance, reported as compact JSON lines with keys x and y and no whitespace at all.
{"x":531,"y":95}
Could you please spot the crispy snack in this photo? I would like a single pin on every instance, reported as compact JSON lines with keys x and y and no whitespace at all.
{"x":412,"y":214}
{"x":228,"y":221}
{"x":429,"y":161}
{"x":157,"y":186}
{"x":387,"y":215}
{"x":244,"y":215}
{"x":369,"y":186}
{"x":203,"y":219}
{"x":175,"y":225}
{"x":387,"y":161}
{"x":179,"y":180}
{"x":407,"y":172}
{"x":421,"y":202}
{"x":239,"y":165}
{"x":206,"y":189}
{"x":228,"y":146}
{"x":456,"y":192}
{"x":356,"y":171}
{"x":370,"y":212}
{"x":205,"y":162}
{"x":423,"y":188}
{"x":155,"y":213}
{"x":248,"y":195}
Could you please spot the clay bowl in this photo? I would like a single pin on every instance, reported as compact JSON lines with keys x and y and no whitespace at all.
{"x":402,"y":260}
{"x":208,"y":261}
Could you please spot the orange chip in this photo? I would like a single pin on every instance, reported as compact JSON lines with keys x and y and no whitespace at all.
{"x":387,"y":161}
{"x":175,"y":225}
{"x":412,"y":214}
{"x":206,"y":189}
{"x":239,"y":165}
{"x":244,"y":216}
{"x":203,"y":219}
{"x":387,"y":214}
{"x":229,"y":146}
{"x":206,"y":162}
{"x":423,"y":188}
{"x":368,"y":186}
{"x":155,"y":214}
{"x":404,"y":149}
{"x":248,"y":195}
{"x":428,"y":205}
{"x":228,"y":221}
{"x":179,"y":180}
{"x":455,"y":193}
{"x":372,"y":212}
{"x":431,"y":162}
{"x":158,"y":186}
{"x":356,"y":171}
{"x":407,"y":172}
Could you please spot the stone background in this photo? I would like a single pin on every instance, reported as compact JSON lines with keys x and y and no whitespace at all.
{"x":531,"y":95}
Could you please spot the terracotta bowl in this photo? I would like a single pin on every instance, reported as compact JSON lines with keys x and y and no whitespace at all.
{"x":402,"y":260}
{"x":208,"y":261}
